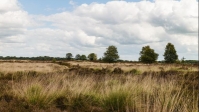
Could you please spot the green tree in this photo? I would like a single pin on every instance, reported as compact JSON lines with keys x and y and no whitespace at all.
{"x":92,"y":56}
{"x":147,"y":55}
{"x":111,"y":54}
{"x":69,"y":56}
{"x":170,"y":54}
{"x":78,"y":57}
{"x":83,"y":57}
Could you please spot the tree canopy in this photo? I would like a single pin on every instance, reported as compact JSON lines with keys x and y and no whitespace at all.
{"x":77,"y":57}
{"x":170,"y":54}
{"x":111,"y":54}
{"x":83,"y":57}
{"x":147,"y":55}
{"x":80,"y":57}
{"x":92,"y":56}
{"x":69,"y":56}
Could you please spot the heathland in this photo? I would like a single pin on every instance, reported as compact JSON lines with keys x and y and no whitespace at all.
{"x":82,"y":86}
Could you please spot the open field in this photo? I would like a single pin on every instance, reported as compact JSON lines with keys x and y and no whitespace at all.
{"x":138,"y":66}
{"x":97,"y":87}
{"x":38,"y":67}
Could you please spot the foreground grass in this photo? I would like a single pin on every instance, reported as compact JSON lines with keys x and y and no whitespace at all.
{"x":164,"y":91}
{"x":103,"y":94}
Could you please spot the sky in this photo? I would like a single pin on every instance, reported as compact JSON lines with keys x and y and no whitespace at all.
{"x":31,"y":28}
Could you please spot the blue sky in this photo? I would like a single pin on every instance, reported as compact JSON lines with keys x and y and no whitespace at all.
{"x":47,"y":7}
{"x":56,"y":27}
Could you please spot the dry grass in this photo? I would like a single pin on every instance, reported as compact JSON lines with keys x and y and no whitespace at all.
{"x":53,"y":90}
{"x":39,"y":67}
{"x":138,"y":66}
{"x":120,"y":94}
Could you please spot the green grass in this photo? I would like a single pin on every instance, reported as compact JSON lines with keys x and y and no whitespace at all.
{"x":116,"y":101}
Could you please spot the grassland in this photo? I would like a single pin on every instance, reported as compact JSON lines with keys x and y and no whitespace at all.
{"x":97,"y":87}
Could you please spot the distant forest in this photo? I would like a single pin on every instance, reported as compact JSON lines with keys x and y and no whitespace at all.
{"x":48,"y":58}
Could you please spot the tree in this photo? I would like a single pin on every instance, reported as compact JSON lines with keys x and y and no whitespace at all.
{"x":77,"y":57}
{"x":170,"y":55}
{"x":183,"y":60}
{"x":83,"y":57}
{"x":92,"y":56}
{"x":147,"y":55}
{"x":69,"y":56}
{"x":111,"y":54}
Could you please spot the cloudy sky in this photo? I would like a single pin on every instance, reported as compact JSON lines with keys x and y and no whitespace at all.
{"x":56,"y":27}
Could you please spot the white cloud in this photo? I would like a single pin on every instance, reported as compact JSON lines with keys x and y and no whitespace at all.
{"x":13,"y":20}
{"x":9,"y":5}
{"x":71,"y":2}
{"x":93,"y":27}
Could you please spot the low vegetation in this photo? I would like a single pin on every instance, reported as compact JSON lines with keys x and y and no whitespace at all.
{"x":98,"y":87}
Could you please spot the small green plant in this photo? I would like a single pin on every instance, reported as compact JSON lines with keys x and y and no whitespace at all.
{"x":36,"y":95}
{"x":134,"y":71}
{"x":116,"y":101}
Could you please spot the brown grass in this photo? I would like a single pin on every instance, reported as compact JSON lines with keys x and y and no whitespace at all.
{"x":58,"y":90}
{"x":38,"y":67}
{"x":138,"y":66}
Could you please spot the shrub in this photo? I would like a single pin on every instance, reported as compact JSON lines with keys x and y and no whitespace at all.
{"x":117,"y":70}
{"x":134,"y":71}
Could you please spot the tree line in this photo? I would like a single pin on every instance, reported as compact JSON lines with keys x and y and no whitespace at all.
{"x":147,"y":55}
{"x":38,"y":58}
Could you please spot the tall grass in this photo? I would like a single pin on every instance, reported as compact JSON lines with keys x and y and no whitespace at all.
{"x":36,"y":93}
{"x":116,"y":93}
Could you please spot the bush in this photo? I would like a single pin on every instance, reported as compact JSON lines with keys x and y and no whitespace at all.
{"x":117,"y":70}
{"x":134,"y":71}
